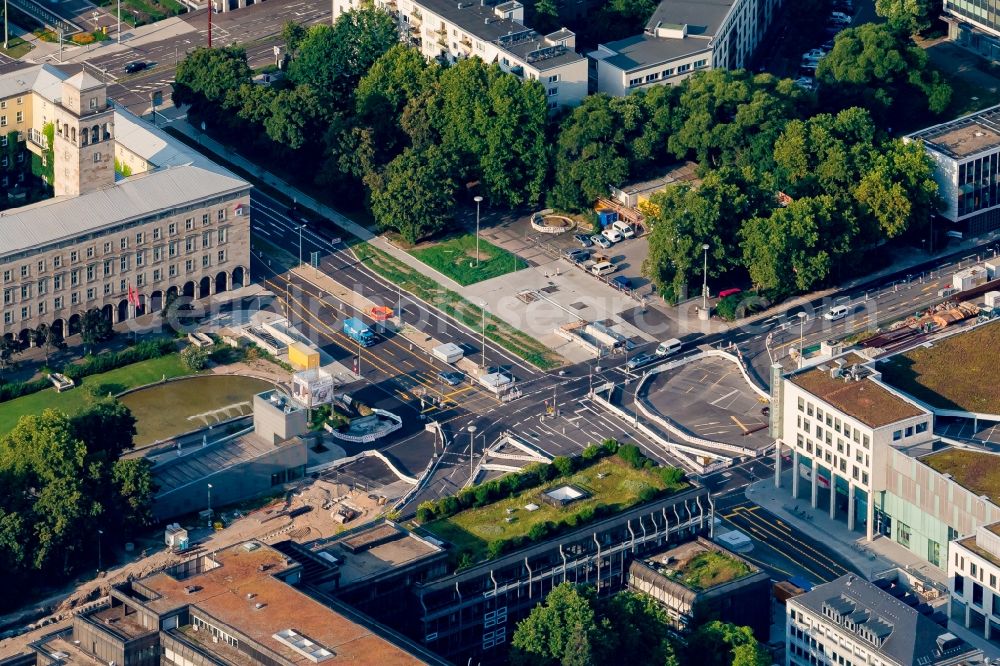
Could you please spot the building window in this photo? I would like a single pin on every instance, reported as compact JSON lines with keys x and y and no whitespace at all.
{"x":108,"y":267}
{"x":74,"y":298}
{"x":25,"y":292}
{"x":74,"y":277}
{"x":221,"y":215}
{"x":909,"y":431}
{"x":91,"y":293}
{"x":189,"y":244}
{"x":157,"y":274}
{"x":206,"y":261}
{"x":24,"y":271}
{"x":139,"y":258}
{"x":20,"y":116}
{"x":553,"y":92}
{"x":667,"y":72}
{"x":959,"y":585}
{"x":156,"y":233}
{"x":921,"y":427}
{"x":188,"y":265}
{"x":700,"y":63}
{"x":158,"y":253}
{"x":652,"y":77}
{"x":122,"y":286}
{"x":57,"y":261}
{"x":124,"y":263}
{"x":91,"y":272}
{"x":41,"y":307}
{"x":25,"y":312}
{"x":107,"y":247}
{"x":57,"y":302}
{"x":205,"y":219}
{"x":206,"y":239}
{"x":553,"y":78}
{"x":172,"y":228}
{"x":222,"y":256}
{"x":189,"y":224}
{"x":934,"y":552}
{"x":221,"y":236}
{"x":138,"y":238}
{"x":107,"y":288}
{"x":124,"y":243}
{"x":903,"y":534}
{"x":683,"y":68}
{"x":8,"y":317}
{"x":977,"y":594}
{"x":97,"y":158}
{"x":634,"y":82}
{"x":90,"y":252}
{"x":172,"y":271}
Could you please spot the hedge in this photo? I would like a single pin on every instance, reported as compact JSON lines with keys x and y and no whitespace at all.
{"x":93,"y":365}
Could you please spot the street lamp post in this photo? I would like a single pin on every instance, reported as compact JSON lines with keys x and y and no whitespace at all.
{"x":119,"y":29}
{"x":472,"y":448}
{"x":802,"y":323}
{"x":6,"y":31}
{"x":100,"y":559}
{"x":704,"y":275}
{"x":301,"y":227}
{"x":210,"y":505}
{"x":483,"y":308}
{"x":477,"y":199}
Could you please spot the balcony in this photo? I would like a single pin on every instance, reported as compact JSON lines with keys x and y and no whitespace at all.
{"x":37,"y":138}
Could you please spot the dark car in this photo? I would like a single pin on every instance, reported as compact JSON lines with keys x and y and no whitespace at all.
{"x":576,"y":255}
{"x":137,"y":66}
{"x":451,"y":378}
{"x":621,"y":283}
{"x":584,"y":240}
{"x":638,"y":361}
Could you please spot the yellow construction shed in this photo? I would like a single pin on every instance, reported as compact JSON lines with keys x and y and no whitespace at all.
{"x":302,"y":356}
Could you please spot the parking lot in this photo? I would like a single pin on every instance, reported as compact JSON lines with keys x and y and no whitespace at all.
{"x":710,"y":399}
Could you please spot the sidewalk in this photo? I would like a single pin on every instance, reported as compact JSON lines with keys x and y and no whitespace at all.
{"x":131,"y":37}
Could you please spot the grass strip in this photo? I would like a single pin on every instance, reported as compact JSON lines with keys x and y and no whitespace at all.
{"x":456,"y":258}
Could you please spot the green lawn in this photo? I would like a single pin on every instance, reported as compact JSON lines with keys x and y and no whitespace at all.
{"x":954,"y":373}
{"x":16,"y":48}
{"x":456,"y":258}
{"x":428,"y":289}
{"x":137,"y":374}
{"x":472,"y":530}
{"x":708,"y":569}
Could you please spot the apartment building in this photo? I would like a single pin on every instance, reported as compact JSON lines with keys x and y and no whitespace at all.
{"x":494,"y":33}
{"x":974,"y":24}
{"x":683,"y":37}
{"x":233,"y":607}
{"x":132,"y":209}
{"x":850,"y":622}
{"x":966,"y":152}
{"x":839,"y":423}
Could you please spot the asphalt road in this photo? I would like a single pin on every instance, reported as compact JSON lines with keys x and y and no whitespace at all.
{"x":257,"y":28}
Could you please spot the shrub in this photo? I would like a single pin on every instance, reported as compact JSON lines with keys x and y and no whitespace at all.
{"x":495,"y":549}
{"x":563,"y":465}
{"x":482,"y":495}
{"x":17,"y":389}
{"x":647,"y":493}
{"x":672,"y":476}
{"x":631,"y":454}
{"x":538,"y":531}
{"x":585,"y":514}
{"x":82,"y":38}
{"x":591,"y":452}
{"x":98,"y":363}
{"x":448,"y":506}
{"x":195,"y":358}
{"x":610,"y":447}
{"x":548,"y":472}
{"x":425,"y":512}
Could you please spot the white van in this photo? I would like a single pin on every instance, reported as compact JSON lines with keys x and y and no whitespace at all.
{"x":603,"y":268}
{"x":668,"y":347}
{"x":624,"y":228}
{"x":835,"y":313}
{"x":612,"y":234}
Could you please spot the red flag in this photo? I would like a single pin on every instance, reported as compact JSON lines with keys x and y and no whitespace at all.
{"x":133,"y":295}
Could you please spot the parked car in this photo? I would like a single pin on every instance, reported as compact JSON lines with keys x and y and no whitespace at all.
{"x":621,"y":283}
{"x":576,"y":255}
{"x":452,"y":378}
{"x":584,"y":240}
{"x":601,"y":241}
{"x":729,"y":292}
{"x":813,"y":54}
{"x":806,"y":82}
{"x":603,"y":268}
{"x":638,"y":361}
{"x":135,"y":66}
{"x":624,"y":228}
{"x":612,"y":235}
{"x":840,"y":17}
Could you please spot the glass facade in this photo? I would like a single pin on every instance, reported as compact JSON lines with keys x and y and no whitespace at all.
{"x":977,"y":184}
{"x":984,"y":12}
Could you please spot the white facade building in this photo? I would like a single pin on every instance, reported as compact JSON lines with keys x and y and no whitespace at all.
{"x":840,"y":423}
{"x":682,"y":37}
{"x":495,"y":33}
{"x":850,"y":622}
{"x":974,"y":579}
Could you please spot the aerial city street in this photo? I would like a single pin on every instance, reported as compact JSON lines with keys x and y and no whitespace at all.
{"x":500,"y":332}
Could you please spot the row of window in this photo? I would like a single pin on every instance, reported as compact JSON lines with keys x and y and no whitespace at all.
{"x":834,"y":422}
{"x":975,"y":571}
{"x":190,"y":245}
{"x":814,"y":651}
{"x":667,"y":73}
{"x":909,"y":431}
{"x":18,"y":118}
{"x":59,"y":302}
{"x":3,"y":103}
{"x":976,"y":596}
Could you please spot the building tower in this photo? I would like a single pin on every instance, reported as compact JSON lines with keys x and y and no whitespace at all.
{"x":84,"y":137}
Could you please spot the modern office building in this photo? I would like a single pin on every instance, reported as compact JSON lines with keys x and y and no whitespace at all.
{"x":975,"y":24}
{"x":234,"y":607}
{"x":408,"y":582}
{"x":683,"y":37}
{"x":840,"y":422}
{"x":965,"y":153}
{"x":699,"y":581}
{"x":495,"y":33}
{"x":849,"y":622}
{"x":133,"y":209}
{"x":973,"y":572}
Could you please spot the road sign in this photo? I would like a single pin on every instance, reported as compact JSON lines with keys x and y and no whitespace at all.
{"x":314,"y":259}
{"x":335,"y":241}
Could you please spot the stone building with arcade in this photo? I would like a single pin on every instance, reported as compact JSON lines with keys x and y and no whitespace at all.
{"x":133,"y":208}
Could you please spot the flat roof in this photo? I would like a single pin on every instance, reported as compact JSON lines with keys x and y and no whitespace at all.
{"x":195,"y":466}
{"x":975,"y":133}
{"x":274,"y":606}
{"x":62,"y":650}
{"x":865,"y":400}
{"x":392,"y":547}
{"x":641,"y":51}
{"x":703,"y":17}
{"x":116,"y":621}
{"x":970,"y":544}
{"x":978,"y":471}
{"x":699,"y":567}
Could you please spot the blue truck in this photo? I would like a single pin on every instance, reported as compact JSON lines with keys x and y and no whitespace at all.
{"x":358,"y":331}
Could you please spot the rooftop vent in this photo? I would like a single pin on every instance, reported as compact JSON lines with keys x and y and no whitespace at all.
{"x":948,"y":641}
{"x":259,"y":605}
{"x":251,"y":595}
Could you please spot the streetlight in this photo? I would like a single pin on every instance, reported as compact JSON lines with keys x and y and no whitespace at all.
{"x":477,"y":199}
{"x":802,"y":323}
{"x":100,"y":560}
{"x":119,"y":29}
{"x":301,"y":227}
{"x":6,"y":32}
{"x":704,"y":275}
{"x":472,"y":448}
{"x":210,"y":505}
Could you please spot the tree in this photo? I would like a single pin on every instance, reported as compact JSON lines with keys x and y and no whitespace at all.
{"x":133,"y":479}
{"x":94,"y":327}
{"x":292,"y":34}
{"x":636,"y":630}
{"x":333,"y":58}
{"x":721,"y":644}
{"x":8,"y":347}
{"x":195,"y":358}
{"x":911,"y":16}
{"x":879,"y":68}
{"x":209,"y":80}
{"x":107,"y":429}
{"x":561,"y":630}
{"x":546,"y":16}
{"x":899,"y":190}
{"x":49,"y":341}
{"x":415,"y":196}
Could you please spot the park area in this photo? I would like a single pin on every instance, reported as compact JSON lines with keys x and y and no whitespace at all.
{"x":610,"y":484}
{"x":456,"y":258}
{"x":91,"y":388}
{"x":955,"y":373}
